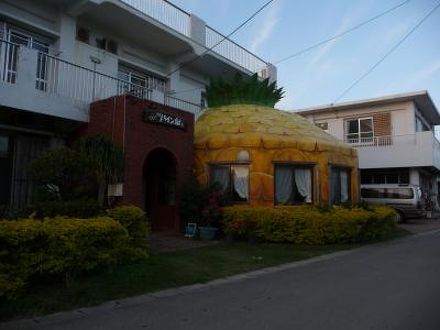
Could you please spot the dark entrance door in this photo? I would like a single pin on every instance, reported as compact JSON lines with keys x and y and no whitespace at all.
{"x":5,"y":171}
{"x":160,"y":190}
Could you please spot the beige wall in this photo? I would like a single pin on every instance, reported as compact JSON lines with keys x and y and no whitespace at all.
{"x":402,"y":118}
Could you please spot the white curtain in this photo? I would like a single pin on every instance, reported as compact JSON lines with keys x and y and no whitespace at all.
{"x":221,"y":176}
{"x":240,"y":176}
{"x":344,"y":186}
{"x":303,"y":180}
{"x":283,"y":184}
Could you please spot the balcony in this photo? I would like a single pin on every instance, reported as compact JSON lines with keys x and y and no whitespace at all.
{"x":421,"y":149}
{"x":181,"y":21}
{"x":39,"y":82}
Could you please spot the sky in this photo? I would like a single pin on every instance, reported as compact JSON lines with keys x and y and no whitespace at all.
{"x":320,"y":76}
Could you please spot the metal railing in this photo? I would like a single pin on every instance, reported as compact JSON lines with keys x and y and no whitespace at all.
{"x":384,"y":140}
{"x":8,"y":62}
{"x":182,"y":105}
{"x":58,"y":77}
{"x":164,"y":12}
{"x":233,"y":52}
{"x":388,"y":140}
{"x":180,"y":20}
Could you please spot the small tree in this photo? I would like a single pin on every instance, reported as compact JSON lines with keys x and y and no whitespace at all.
{"x":105,"y":159}
{"x":62,"y":172}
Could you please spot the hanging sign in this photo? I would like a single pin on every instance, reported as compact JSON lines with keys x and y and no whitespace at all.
{"x":157,"y":117}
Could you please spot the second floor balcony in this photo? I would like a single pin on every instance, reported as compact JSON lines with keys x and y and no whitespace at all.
{"x":33,"y":80}
{"x":421,"y":149}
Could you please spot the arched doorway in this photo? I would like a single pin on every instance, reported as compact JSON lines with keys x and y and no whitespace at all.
{"x":160,"y":190}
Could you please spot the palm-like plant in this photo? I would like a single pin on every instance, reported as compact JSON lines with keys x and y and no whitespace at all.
{"x":105,"y":159}
{"x":250,"y":90}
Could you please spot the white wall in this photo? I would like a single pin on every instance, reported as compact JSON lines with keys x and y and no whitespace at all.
{"x":402,"y":118}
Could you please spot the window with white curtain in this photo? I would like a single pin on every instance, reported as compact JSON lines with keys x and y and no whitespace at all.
{"x":233,"y":180}
{"x":340,"y":185}
{"x":293,"y":184}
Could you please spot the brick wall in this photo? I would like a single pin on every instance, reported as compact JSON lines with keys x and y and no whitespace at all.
{"x":121,"y":118}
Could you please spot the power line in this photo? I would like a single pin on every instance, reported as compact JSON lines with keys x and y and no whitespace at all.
{"x":224,"y":38}
{"x":401,"y":41}
{"x":305,"y":50}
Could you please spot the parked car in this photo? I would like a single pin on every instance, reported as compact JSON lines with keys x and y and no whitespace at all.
{"x":407,"y":200}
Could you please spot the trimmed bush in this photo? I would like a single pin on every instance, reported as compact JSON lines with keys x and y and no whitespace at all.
{"x":308,"y":224}
{"x":134,"y":221}
{"x":32,"y":249}
{"x":81,"y":208}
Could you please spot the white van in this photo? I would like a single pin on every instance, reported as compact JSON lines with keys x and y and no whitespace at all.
{"x":407,"y":200}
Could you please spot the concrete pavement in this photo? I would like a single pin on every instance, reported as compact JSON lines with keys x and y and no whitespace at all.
{"x":393,"y":285}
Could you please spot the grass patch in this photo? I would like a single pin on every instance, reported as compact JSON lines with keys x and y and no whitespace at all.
{"x":159,"y":272}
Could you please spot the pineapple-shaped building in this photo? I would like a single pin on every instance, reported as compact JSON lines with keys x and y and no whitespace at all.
{"x":263,"y":156}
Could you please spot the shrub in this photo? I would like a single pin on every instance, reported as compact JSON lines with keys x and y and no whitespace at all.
{"x":80,"y":208}
{"x":62,"y":174}
{"x":308,"y":224}
{"x":134,"y":221}
{"x":32,"y":249}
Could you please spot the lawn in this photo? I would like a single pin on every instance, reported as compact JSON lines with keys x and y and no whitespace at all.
{"x":158,"y":272}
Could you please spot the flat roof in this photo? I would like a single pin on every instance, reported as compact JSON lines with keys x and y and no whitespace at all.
{"x":420,"y":98}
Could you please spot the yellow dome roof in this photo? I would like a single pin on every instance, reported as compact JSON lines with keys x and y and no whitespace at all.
{"x":245,"y":125}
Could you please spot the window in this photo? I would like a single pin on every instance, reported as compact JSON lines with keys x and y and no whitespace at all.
{"x":293,"y":184}
{"x":388,"y":193}
{"x":359,"y":130}
{"x":386,"y":177}
{"x":4,"y":146}
{"x":340,"y":185}
{"x":233,"y":179}
{"x":138,"y":82}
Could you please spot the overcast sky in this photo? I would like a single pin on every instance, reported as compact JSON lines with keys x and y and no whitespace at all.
{"x":320,"y":76}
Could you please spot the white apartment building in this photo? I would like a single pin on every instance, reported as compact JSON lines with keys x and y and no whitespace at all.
{"x":59,"y":56}
{"x":394,"y":136}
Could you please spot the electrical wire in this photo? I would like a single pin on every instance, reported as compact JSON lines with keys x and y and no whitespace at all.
{"x":339,"y":35}
{"x":401,"y":41}
{"x":224,"y":38}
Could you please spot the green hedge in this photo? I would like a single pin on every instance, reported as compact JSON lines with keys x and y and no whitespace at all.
{"x":32,"y":249}
{"x":308,"y":224}
{"x":135,"y":221}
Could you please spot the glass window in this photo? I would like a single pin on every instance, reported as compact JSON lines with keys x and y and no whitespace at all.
{"x":233,"y":180}
{"x":293,"y":184}
{"x":387,"y":193}
{"x":138,"y":82}
{"x":359,"y":130}
{"x":340,"y":185}
{"x":4,"y":146}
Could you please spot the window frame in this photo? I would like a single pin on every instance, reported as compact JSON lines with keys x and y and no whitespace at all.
{"x":301,"y":165}
{"x":358,"y":139}
{"x":340,"y":168}
{"x":228,"y":199}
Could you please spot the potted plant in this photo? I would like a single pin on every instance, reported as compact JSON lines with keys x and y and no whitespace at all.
{"x":211,"y":214}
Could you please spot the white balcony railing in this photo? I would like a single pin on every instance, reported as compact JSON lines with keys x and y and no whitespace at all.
{"x":384,"y":140}
{"x":57,"y":77}
{"x":233,"y":51}
{"x":8,"y":62}
{"x":408,"y":150}
{"x":164,"y":12}
{"x":180,"y":21}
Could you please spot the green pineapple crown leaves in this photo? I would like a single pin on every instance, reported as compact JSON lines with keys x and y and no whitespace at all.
{"x":242,"y":90}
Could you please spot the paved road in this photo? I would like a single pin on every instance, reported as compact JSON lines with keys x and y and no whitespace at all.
{"x":395,"y":285}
